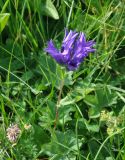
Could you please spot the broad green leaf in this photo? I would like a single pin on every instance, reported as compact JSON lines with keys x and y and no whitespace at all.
{"x":64,"y":113}
{"x":27,"y":75}
{"x":103,"y":97}
{"x":49,"y":9}
{"x":37,"y":134}
{"x":45,"y":7}
{"x":3,"y":20}
{"x":93,"y":127}
{"x":66,"y":101}
{"x":61,"y":145}
{"x":48,"y":116}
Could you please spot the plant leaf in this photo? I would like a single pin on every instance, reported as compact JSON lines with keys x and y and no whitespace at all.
{"x":3,"y":20}
{"x":49,"y":9}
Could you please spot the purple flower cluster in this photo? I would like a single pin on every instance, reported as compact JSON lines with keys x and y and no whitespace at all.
{"x":73,"y":50}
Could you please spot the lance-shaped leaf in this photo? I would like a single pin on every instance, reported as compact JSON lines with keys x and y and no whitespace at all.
{"x":3,"y":20}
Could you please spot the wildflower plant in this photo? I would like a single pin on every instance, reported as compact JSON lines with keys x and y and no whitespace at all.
{"x":73,"y":51}
{"x":65,"y":101}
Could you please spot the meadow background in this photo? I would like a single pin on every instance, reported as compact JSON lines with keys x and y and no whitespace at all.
{"x":91,"y":121}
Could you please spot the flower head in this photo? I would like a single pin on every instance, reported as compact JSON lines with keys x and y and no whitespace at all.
{"x":13,"y":132}
{"x":73,"y":50}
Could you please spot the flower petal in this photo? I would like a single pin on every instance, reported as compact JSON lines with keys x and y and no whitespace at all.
{"x":51,"y":48}
{"x":82,"y":38}
{"x":54,"y":52}
{"x":90,"y":43}
{"x":69,"y":39}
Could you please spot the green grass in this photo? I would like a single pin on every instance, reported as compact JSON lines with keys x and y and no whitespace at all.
{"x":91,"y":120}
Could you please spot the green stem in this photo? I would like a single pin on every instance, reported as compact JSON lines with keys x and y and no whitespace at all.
{"x":58,"y":102}
{"x":70,"y":14}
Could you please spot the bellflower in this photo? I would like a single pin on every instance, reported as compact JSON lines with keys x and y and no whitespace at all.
{"x":73,"y":50}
